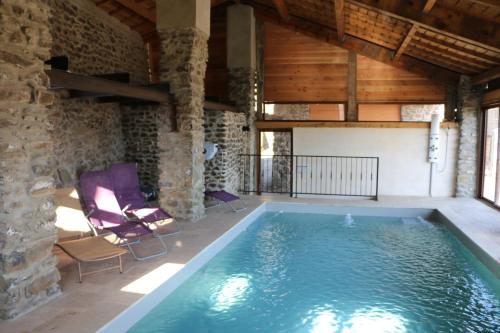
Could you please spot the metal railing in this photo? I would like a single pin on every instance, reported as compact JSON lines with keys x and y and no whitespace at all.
{"x":310,"y":175}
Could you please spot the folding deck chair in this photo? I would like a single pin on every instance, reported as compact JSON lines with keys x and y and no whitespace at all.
{"x":127,"y":189}
{"x":92,"y":249}
{"x":105,"y":213}
{"x":72,"y":223}
{"x":227,"y":198}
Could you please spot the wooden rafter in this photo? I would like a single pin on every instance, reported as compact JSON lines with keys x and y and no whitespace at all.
{"x":215,"y":3}
{"x":494,"y":3}
{"x":460,"y":26}
{"x":359,"y":46}
{"x":406,"y":42}
{"x":428,"y":6}
{"x":340,"y":18}
{"x":138,"y":9}
{"x":454,"y":47}
{"x":282,"y":9}
{"x":487,"y":76}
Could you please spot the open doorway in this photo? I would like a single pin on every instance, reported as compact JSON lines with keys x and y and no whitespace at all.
{"x":276,"y":148}
{"x":491,"y":157}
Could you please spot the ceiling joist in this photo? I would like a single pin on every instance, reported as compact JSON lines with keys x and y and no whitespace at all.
{"x":406,"y":42}
{"x":428,"y":6}
{"x":487,"y":76}
{"x":139,"y":9}
{"x":282,"y":9}
{"x":340,"y":18}
{"x":442,"y":20}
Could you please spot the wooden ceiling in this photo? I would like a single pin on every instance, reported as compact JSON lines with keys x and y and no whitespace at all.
{"x":439,"y":39}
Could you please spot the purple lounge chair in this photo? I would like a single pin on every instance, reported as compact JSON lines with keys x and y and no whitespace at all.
{"x":104,"y":212}
{"x":227,"y":198}
{"x":128,"y":192}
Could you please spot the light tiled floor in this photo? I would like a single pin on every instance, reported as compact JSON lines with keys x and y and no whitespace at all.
{"x":87,"y":306}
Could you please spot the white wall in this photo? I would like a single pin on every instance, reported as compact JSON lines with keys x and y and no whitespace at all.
{"x":403,"y":170}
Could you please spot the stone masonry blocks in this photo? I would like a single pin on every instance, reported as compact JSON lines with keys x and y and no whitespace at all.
{"x":28,"y":274}
{"x":224,"y":128}
{"x":183,"y":58}
{"x":468,"y":150}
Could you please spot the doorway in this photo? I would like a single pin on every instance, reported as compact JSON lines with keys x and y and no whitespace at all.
{"x":490,"y":189}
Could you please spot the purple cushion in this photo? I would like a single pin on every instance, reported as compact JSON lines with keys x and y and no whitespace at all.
{"x":99,"y":198}
{"x":126,"y":185}
{"x":129,"y":230}
{"x":150,"y":215}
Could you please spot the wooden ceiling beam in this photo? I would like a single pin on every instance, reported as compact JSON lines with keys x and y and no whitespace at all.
{"x":442,"y":20}
{"x":428,"y":6}
{"x":493,"y":3}
{"x":215,"y":3}
{"x":487,"y":76}
{"x":459,"y":49}
{"x":282,"y":9}
{"x":406,"y":41}
{"x":138,"y":9}
{"x":64,"y":80}
{"x":360,"y":46}
{"x":340,"y":18}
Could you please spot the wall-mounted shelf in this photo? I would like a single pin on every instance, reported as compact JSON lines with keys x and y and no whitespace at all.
{"x":91,"y":86}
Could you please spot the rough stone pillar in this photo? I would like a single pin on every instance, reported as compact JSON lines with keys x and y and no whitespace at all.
{"x":241,"y":62}
{"x":225,"y":129}
{"x":28,"y":274}
{"x":183,"y":27}
{"x":468,"y":153}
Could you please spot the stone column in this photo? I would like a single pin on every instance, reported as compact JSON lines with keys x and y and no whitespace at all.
{"x":241,"y":62}
{"x":183,"y":27}
{"x":468,"y":153}
{"x":28,"y":274}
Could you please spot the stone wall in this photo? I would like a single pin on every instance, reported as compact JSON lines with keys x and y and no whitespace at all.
{"x":183,"y":59}
{"x":420,"y":112}
{"x":225,"y":129}
{"x":88,"y":135}
{"x":141,"y":131}
{"x":289,"y":112}
{"x":42,"y":131}
{"x":468,"y":149}
{"x":95,"y":42}
{"x":28,"y":275}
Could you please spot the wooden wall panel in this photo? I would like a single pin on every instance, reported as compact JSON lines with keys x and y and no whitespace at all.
{"x":217,"y":75}
{"x":379,"y":112}
{"x":326,"y":112}
{"x":298,"y":68}
{"x":378,"y":82}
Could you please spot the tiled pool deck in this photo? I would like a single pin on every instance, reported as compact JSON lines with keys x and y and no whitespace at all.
{"x":87,"y":306}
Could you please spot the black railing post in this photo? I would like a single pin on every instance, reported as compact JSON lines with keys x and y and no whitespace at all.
{"x":291,"y":175}
{"x":376,"y":183}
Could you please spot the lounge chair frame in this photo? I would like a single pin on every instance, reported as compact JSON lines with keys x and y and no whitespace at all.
{"x":127,"y":243}
{"x":219,"y":203}
{"x":79,"y":261}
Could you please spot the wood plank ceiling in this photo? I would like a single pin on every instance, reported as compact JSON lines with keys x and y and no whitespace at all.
{"x":439,"y":39}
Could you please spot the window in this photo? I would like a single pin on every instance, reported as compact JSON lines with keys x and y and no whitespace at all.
{"x":319,"y":112}
{"x":379,"y":112}
{"x":399,"y":112}
{"x":491,"y":160}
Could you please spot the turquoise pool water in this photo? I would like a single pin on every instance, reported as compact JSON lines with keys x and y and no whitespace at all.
{"x":319,"y":273}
